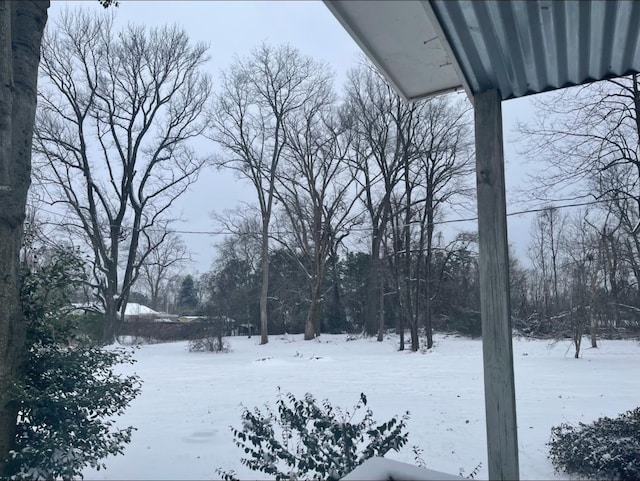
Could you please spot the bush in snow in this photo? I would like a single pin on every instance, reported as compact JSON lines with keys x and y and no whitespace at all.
{"x":208,"y":344}
{"x":212,"y":340}
{"x":69,"y":391}
{"x":605,"y":449}
{"x":307,"y":440}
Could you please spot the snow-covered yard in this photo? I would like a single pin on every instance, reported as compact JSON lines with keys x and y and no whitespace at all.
{"x":189,"y":399}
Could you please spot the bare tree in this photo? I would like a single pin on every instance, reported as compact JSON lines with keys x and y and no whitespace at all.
{"x":258,"y":94}
{"x":583,"y":274}
{"x":161,"y":264}
{"x":588,"y":140}
{"x":376,"y":165}
{"x":584,"y":133}
{"x":316,"y":194}
{"x":444,"y":152}
{"x":21,"y":28}
{"x":418,"y":155}
{"x":116,"y":113}
{"x":547,"y":236}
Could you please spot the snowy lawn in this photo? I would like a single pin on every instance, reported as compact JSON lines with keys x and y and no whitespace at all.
{"x":189,"y":400}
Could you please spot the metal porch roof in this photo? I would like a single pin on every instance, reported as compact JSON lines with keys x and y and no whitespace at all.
{"x":518,"y":47}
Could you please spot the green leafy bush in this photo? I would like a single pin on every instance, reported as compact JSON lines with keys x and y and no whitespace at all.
{"x":69,"y":392}
{"x":605,"y":449}
{"x":307,"y":440}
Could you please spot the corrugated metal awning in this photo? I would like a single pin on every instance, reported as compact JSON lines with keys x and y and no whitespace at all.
{"x":517,"y":47}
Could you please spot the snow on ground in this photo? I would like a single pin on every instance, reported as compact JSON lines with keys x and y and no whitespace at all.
{"x":189,"y":400}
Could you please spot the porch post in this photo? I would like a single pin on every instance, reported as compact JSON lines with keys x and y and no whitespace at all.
{"x":499,"y":389}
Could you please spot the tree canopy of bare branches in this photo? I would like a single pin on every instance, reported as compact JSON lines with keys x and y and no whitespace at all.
{"x":161,"y":265}
{"x":116,"y":113}
{"x":317,"y":195}
{"x":258,"y":96}
{"x":409,"y":161}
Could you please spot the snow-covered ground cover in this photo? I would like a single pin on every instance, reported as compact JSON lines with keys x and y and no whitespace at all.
{"x":189,"y":400}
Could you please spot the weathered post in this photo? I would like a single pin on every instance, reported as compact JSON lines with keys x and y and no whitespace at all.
{"x":500,"y":404}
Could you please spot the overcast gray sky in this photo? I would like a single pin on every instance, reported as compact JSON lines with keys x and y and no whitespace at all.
{"x":235,"y":28}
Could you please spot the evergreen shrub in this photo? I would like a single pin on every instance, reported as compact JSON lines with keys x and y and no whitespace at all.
{"x":608,"y":448}
{"x":307,"y":440}
{"x":70,"y":392}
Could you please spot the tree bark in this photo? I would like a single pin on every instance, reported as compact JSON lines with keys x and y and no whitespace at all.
{"x":312,"y":326}
{"x":428,"y":324}
{"x":21,"y":28}
{"x":380,"y":337}
{"x":264,"y":290}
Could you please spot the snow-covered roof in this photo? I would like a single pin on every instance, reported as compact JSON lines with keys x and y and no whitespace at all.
{"x":135,"y":309}
{"x":381,"y":469}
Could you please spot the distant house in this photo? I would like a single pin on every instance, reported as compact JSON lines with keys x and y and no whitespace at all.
{"x":139,"y":312}
{"x":191,"y":318}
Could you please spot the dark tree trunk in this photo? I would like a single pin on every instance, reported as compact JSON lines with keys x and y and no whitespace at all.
{"x":373,"y":290}
{"x":21,"y":28}
{"x":312,"y":324}
{"x":381,"y":314}
{"x":264,"y":290}
{"x":428,"y":325}
{"x":337,"y":298}
{"x":110,"y":322}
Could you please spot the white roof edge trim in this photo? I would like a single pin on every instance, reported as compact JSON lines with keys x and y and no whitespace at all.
{"x":444,"y":41}
{"x":357,"y":37}
{"x":338,"y":13}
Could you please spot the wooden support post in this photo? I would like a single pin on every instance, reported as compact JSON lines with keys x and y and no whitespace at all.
{"x":499,"y":388}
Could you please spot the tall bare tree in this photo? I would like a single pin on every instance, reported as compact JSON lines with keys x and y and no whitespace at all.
{"x":443,"y":145}
{"x":547,"y":238}
{"x":420,"y":153}
{"x":317,"y":194}
{"x":117,"y":110}
{"x":376,"y":164}
{"x":584,"y":269}
{"x":21,"y":28}
{"x":258,"y":96}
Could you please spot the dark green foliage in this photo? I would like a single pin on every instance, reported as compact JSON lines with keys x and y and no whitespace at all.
{"x":354,"y":270}
{"x":288,"y":293}
{"x":69,"y":393}
{"x":233,"y":291}
{"x":91,"y":325}
{"x":605,"y":449}
{"x":306,"y":440}
{"x":187,"y":297}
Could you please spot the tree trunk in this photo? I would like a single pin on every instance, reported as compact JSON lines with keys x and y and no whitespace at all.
{"x":21,"y":28}
{"x":428,"y":327}
{"x":415,"y":342}
{"x":337,"y":298}
{"x":264,"y":290}
{"x":111,"y":321}
{"x":381,"y":315}
{"x":373,"y":290}
{"x":312,"y":324}
{"x":577,"y":341}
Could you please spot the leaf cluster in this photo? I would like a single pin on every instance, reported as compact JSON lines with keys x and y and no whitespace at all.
{"x":605,"y":449}
{"x":305,"y":439}
{"x":70,"y":392}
